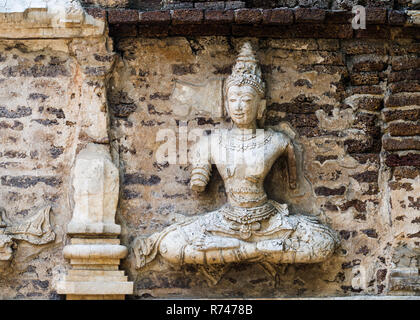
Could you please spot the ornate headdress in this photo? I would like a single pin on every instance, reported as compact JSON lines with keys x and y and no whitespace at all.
{"x":246,"y":71}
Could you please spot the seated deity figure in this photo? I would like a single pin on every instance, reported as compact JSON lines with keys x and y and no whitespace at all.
{"x":250,"y":227}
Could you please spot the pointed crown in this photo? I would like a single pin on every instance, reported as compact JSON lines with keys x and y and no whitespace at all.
{"x":246,"y":71}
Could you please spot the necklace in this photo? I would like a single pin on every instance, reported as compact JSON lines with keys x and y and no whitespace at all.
{"x":250,"y":143}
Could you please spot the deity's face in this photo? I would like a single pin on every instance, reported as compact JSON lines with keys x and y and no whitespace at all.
{"x":243,"y":103}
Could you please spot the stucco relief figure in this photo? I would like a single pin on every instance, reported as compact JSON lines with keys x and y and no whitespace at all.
{"x":250,"y":227}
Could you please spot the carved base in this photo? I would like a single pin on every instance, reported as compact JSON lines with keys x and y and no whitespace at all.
{"x":95,"y":274}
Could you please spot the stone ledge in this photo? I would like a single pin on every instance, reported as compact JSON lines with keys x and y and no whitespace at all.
{"x":94,"y":288}
{"x":301,"y":22}
{"x":254,"y":16}
{"x":41,"y":20}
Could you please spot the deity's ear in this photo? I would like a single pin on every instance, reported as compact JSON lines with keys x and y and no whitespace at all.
{"x":261,"y":109}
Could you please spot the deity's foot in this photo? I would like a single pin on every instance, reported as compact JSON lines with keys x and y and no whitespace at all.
{"x":208,"y":242}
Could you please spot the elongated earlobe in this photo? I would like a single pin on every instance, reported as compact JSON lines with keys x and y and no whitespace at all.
{"x":261,"y":109}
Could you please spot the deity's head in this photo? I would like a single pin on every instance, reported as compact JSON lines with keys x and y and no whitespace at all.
{"x":244,"y":89}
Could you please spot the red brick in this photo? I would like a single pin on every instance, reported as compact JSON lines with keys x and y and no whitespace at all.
{"x":402,"y":101}
{"x":369,"y":65}
{"x":309,"y":15}
{"x":376,"y":15}
{"x":123,"y":30}
{"x":369,"y":103}
{"x":405,"y":63}
{"x":405,"y":86}
{"x":355,"y":47}
{"x":187,"y":16}
{"x":277,"y":16}
{"x":395,"y":160}
{"x":218,"y":16}
{"x":200,"y":30}
{"x":373,"y":32}
{"x":409,"y":115}
{"x":394,"y":144}
{"x":404,"y":129}
{"x":120,"y":16}
{"x":155,"y":30}
{"x":340,"y":17}
{"x":396,"y":17}
{"x":97,"y":13}
{"x":295,"y":31}
{"x":155,"y":17}
{"x":367,"y":90}
{"x":404,"y":75}
{"x":248,"y":16}
{"x":364,"y":78}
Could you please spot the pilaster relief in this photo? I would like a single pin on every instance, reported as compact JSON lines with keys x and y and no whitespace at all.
{"x":95,"y":252}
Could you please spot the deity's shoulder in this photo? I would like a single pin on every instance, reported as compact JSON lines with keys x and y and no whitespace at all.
{"x":278,"y":139}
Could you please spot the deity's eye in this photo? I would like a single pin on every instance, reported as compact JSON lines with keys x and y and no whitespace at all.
{"x":232,"y":100}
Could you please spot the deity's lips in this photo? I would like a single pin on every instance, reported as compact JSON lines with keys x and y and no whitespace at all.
{"x":238,"y":115}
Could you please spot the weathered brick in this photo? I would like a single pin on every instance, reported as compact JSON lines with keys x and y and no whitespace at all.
{"x":402,"y":100}
{"x":396,"y":76}
{"x":404,"y":128}
{"x":277,"y":16}
{"x":373,"y":32}
{"x":406,"y":173}
{"x":410,"y":159}
{"x":200,"y":30}
{"x":396,"y":17}
{"x":20,"y":112}
{"x":405,"y":86}
{"x":155,"y":17}
{"x":357,"y":204}
{"x":397,"y":49}
{"x":325,"y":191}
{"x":369,"y":65}
{"x":334,"y":31}
{"x":340,"y":17}
{"x":358,"y":146}
{"x":97,"y":13}
{"x":29,"y":181}
{"x":409,"y":115}
{"x":218,"y":16}
{"x":214,"y":5}
{"x":366,"y":90}
{"x":394,"y":144}
{"x":364,"y":78}
{"x":369,"y":103}
{"x":405,"y":63}
{"x":308,"y":15}
{"x":122,"y":16}
{"x":142,"y":179}
{"x":248,"y":16}
{"x":155,"y":30}
{"x":376,"y":15}
{"x":405,"y":33}
{"x":187,"y":16}
{"x":355,"y":47}
{"x":123,"y":30}
{"x":363,"y":158}
{"x":367,"y":176}
{"x":232,"y":5}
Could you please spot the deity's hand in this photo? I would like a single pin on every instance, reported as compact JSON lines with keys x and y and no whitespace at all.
{"x":198,"y":186}
{"x":293,"y":185}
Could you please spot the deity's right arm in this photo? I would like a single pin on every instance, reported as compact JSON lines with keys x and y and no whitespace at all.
{"x":201,"y":164}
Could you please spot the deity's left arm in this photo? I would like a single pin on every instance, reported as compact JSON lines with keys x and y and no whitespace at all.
{"x":291,"y":164}
{"x":201,"y":165}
